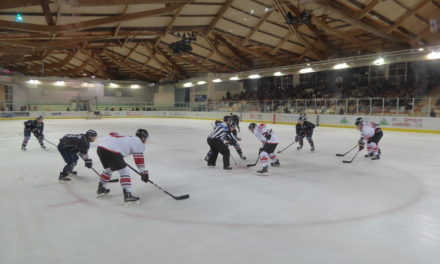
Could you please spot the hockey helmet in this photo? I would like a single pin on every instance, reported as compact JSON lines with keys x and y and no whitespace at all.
{"x":91,"y":133}
{"x":40,"y":117}
{"x":358,"y":121}
{"x":252,"y":126}
{"x":302,"y":119}
{"x":142,"y":133}
{"x":227,"y":119}
{"x":217,"y":122}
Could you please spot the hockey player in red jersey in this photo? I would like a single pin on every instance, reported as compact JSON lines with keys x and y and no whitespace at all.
{"x":270,"y":142}
{"x":111,"y":152}
{"x":371,"y":134}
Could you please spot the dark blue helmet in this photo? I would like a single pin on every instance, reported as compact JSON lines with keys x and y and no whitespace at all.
{"x":142,"y":133}
{"x":358,"y":121}
{"x":252,"y":126}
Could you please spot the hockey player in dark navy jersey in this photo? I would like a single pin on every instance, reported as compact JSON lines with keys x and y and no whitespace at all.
{"x":304,"y":128}
{"x":70,"y":146}
{"x":35,"y":127}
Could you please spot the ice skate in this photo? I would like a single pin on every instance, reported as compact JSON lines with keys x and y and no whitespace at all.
{"x":275,"y":163}
{"x":242,"y":157}
{"x":264,"y":171}
{"x":369,"y":155}
{"x":73,"y":173}
{"x":23,"y":148}
{"x":101,"y":190}
{"x":227,"y":168}
{"x":312,"y":149}
{"x":130,"y":200}
{"x":376,"y":157}
{"x":63,"y":178}
{"x":299,"y":147}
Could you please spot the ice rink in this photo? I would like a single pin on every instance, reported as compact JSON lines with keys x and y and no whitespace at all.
{"x":313,"y":209}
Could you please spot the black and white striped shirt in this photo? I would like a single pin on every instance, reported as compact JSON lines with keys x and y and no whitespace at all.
{"x":219,"y":132}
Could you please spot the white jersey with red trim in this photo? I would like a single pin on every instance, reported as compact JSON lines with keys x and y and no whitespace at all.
{"x":368,"y":130}
{"x":125,"y":145}
{"x":261,"y":131}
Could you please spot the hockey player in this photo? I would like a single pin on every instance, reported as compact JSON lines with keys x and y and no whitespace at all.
{"x":304,"y":128}
{"x":270,"y":142}
{"x":233,"y":140}
{"x":69,"y":147}
{"x":218,"y":143}
{"x":236,"y":121}
{"x":111,"y":152}
{"x":36,"y":127}
{"x":371,"y":134}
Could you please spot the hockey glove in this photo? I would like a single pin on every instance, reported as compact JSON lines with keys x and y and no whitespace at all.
{"x":297,"y":138}
{"x":260,"y":150}
{"x":267,"y":136}
{"x":361,"y":145}
{"x":226,"y":142}
{"x":88,"y":163}
{"x":145,"y":176}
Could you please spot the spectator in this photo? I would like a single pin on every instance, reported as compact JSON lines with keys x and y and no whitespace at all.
{"x":68,"y":109}
{"x":433,"y":113}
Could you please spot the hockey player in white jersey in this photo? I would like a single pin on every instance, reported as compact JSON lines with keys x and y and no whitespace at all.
{"x":111,"y":152}
{"x":270,"y":142}
{"x":371,"y":134}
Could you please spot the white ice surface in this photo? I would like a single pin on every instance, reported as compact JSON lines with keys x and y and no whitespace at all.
{"x":314,"y":209}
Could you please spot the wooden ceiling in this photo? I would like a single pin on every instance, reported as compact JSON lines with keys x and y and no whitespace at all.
{"x":129,"y":39}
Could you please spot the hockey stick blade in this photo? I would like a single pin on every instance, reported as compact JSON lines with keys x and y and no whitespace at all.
{"x":183,"y":197}
{"x":114,"y":180}
{"x":340,"y":155}
{"x":347,"y":161}
{"x":251,"y":165}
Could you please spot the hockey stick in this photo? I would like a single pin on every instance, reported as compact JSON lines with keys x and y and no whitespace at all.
{"x":233,"y":159}
{"x":97,"y":173}
{"x":253,"y":164}
{"x":342,"y":155}
{"x":287,"y":147}
{"x":350,"y":161}
{"x":49,"y":142}
{"x":182,"y":197}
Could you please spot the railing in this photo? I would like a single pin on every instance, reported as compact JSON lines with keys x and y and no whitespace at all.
{"x":422,"y":106}
{"x":426,"y":106}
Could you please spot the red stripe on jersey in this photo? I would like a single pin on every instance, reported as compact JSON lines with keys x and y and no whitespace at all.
{"x":125,"y":180}
{"x":115,"y":134}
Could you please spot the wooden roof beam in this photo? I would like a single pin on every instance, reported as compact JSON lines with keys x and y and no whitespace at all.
{"x":407,"y":15}
{"x":132,"y":69}
{"x":175,"y":65}
{"x":254,"y":29}
{"x":237,"y":55}
{"x":47,"y":13}
{"x":313,"y":28}
{"x":340,"y":10}
{"x":219,"y":15}
{"x":69,"y":72}
{"x":168,"y":27}
{"x":89,"y":23}
{"x":118,"y":27}
{"x":367,"y":8}
{"x":229,"y":63}
{"x":298,"y":34}
{"x":7,"y":4}
{"x":153,"y":55}
{"x":332,"y":30}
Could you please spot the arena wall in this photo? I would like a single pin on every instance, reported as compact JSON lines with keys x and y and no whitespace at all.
{"x":395,"y":123}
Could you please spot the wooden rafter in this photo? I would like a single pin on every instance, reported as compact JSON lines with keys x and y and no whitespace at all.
{"x":118,"y":27}
{"x":7,"y":4}
{"x":332,"y":30}
{"x":237,"y":54}
{"x":153,"y":55}
{"x":168,"y":27}
{"x":321,"y":37}
{"x":47,"y":13}
{"x":341,"y":10}
{"x":69,"y":72}
{"x":175,"y":65}
{"x":229,"y":63}
{"x":298,"y":34}
{"x":127,"y":66}
{"x":260,"y":22}
{"x":281,"y":42}
{"x":408,"y":14}
{"x":56,"y":65}
{"x":367,"y":8}
{"x":219,"y":15}
{"x":131,"y":51}
{"x":89,"y":23}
